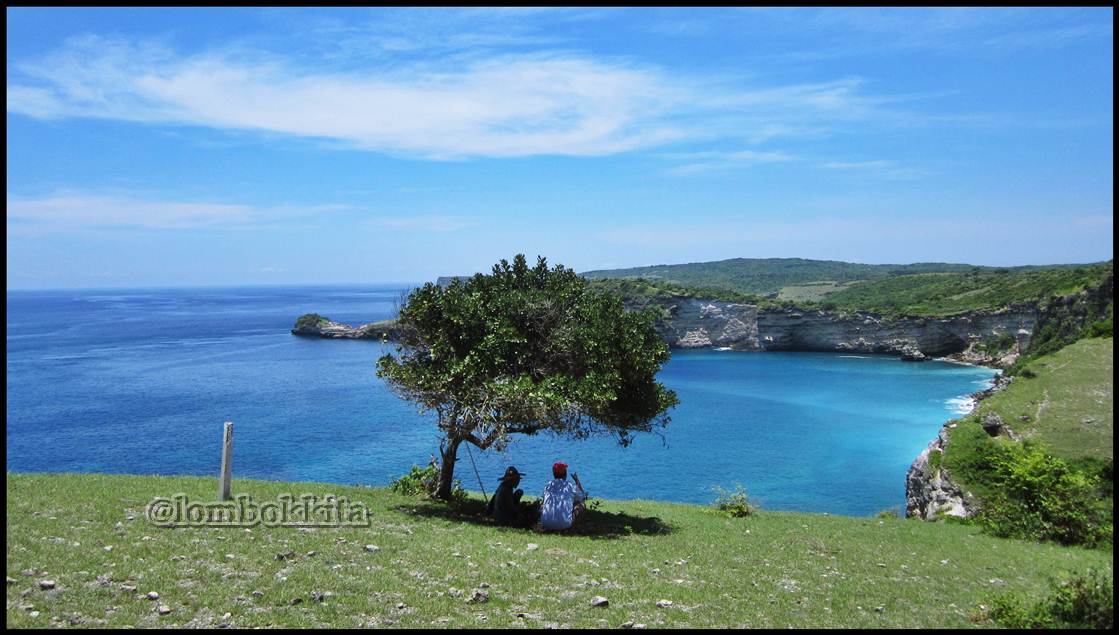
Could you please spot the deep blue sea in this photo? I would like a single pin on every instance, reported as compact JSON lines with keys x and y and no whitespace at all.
{"x":140,"y":381}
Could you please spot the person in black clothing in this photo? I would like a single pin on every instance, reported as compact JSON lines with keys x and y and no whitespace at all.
{"x":505,"y":506}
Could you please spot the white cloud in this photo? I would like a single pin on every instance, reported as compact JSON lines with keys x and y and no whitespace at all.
{"x":714,"y":161}
{"x":495,"y":106}
{"x":95,"y":210}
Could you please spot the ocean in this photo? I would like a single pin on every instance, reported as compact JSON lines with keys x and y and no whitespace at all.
{"x":140,"y":382}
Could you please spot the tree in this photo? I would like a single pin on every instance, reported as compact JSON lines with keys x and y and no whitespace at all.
{"x":525,"y":350}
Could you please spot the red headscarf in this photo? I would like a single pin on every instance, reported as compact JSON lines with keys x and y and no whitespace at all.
{"x":559,"y":469}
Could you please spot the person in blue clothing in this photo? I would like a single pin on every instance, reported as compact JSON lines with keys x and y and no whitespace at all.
{"x":562,"y":504}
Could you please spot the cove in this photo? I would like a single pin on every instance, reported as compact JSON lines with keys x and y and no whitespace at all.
{"x":140,"y":381}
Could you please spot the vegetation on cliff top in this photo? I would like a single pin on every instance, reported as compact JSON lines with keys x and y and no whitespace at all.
{"x":88,"y":534}
{"x":943,"y":294}
{"x":768,"y":275}
{"x":929,"y":290}
{"x":310,"y":320}
{"x":1058,"y":483}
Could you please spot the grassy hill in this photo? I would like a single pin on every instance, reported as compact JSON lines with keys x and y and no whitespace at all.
{"x":924,"y":289}
{"x":1057,"y":481}
{"x":770,"y":275}
{"x":88,"y":534}
{"x":1064,"y":401}
{"x":939,"y":294}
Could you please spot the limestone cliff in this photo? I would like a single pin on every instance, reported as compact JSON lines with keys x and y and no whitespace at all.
{"x":696,"y":323}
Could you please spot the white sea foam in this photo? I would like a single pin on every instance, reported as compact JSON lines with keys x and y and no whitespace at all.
{"x":855,"y":356}
{"x":723,"y":348}
{"x":960,"y":405}
{"x":985,"y":383}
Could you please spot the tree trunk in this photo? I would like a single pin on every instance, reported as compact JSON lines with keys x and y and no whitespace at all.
{"x":447,"y":468}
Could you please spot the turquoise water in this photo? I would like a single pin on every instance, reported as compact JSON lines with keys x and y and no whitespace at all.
{"x":140,"y":381}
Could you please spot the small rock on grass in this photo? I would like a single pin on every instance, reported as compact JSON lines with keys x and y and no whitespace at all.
{"x":321,"y":596}
{"x":598,"y":600}
{"x":372,"y":548}
{"x":46,"y":584}
{"x":152,"y":595}
{"x":11,"y":580}
{"x":164,"y":609}
{"x":663,"y":604}
{"x":478,"y":597}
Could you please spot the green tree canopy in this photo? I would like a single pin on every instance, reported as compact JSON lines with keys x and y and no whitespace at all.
{"x":525,"y":350}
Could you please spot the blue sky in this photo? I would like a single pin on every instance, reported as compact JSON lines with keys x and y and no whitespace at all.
{"x":179,"y":147}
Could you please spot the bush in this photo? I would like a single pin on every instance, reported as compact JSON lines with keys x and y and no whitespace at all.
{"x":310,"y":319}
{"x":1085,"y":601}
{"x":1036,"y":496}
{"x":424,"y":481}
{"x":892,"y":512}
{"x":735,"y":504}
{"x":996,"y":344}
{"x":1101,"y":328}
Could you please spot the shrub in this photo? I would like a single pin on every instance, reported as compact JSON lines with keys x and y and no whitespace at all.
{"x":1037,"y":496}
{"x":735,"y":504}
{"x":1084,"y":601}
{"x":424,"y":481}
{"x":892,"y":512}
{"x":1101,"y":328}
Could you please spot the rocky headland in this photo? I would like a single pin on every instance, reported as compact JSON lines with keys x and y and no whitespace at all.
{"x":312,"y":325}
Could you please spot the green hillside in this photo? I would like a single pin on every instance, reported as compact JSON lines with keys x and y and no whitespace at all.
{"x":770,"y":275}
{"x":1054,"y":480}
{"x":939,"y":294}
{"x":87,"y":534}
{"x":925,"y":289}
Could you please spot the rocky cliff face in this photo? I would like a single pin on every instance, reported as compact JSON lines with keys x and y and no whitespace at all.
{"x":695,"y":323}
{"x":929,"y":491}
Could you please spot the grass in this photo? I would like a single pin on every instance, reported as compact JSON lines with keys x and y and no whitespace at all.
{"x":770,"y":569}
{"x":1067,"y":403}
{"x":1063,"y":402}
{"x":928,"y":290}
{"x":810,"y":292}
{"x":943,"y":294}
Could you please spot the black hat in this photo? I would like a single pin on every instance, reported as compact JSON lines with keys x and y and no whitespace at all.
{"x":511,"y":473}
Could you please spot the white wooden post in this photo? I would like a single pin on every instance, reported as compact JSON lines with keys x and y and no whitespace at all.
{"x":226,"y":462}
